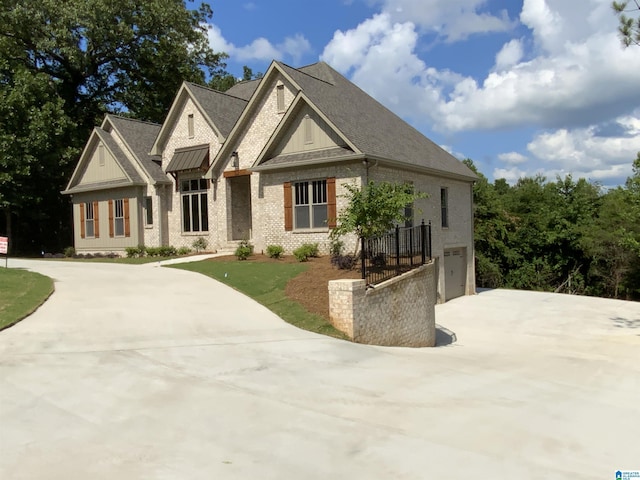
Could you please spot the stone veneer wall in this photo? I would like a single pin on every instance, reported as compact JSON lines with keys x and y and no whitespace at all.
{"x":399,"y":312}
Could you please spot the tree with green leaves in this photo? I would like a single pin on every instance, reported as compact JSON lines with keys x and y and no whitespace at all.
{"x":224,"y":81}
{"x":63,"y":65}
{"x":375,"y":208}
{"x":629,"y":17}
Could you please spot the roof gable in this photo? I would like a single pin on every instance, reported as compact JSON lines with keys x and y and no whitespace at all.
{"x":263,"y":84}
{"x":292,"y":124}
{"x":220,"y":111}
{"x":102,"y":164}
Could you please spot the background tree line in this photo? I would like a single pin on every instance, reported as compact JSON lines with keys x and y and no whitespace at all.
{"x":564,"y":236}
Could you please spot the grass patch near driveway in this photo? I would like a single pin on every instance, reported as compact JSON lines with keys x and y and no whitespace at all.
{"x":125,"y":260}
{"x":265,"y":282}
{"x":21,"y":293}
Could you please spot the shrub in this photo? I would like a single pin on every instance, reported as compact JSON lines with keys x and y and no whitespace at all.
{"x":135,"y":252}
{"x":167,"y":251}
{"x":69,"y":252}
{"x":275,"y":251}
{"x":306,"y":251}
{"x":344,"y":262}
{"x":184,"y":251}
{"x":335,"y":249}
{"x":199,"y":244}
{"x":244,"y":250}
{"x":153,"y":251}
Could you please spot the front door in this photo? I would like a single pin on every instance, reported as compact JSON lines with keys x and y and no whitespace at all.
{"x":239,"y":225}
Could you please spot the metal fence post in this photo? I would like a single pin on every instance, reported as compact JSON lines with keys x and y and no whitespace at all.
{"x":430,"y":251}
{"x":397,"y":249}
{"x":363,"y":267}
{"x":423,"y":242}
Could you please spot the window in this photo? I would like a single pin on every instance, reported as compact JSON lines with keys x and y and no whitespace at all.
{"x":444,"y":207}
{"x":195,"y":214}
{"x":190,"y":128}
{"x":310,"y":204}
{"x":280,"y":97}
{"x":308,"y":129}
{"x":148,"y":211}
{"x":118,"y":218}
{"x":119,"y":224}
{"x":89,"y":224}
{"x":408,"y":214}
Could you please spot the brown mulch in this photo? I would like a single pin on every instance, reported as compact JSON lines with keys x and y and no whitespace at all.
{"x":310,"y":288}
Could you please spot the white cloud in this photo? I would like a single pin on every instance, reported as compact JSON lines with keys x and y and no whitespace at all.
{"x":260,"y":49}
{"x":453,"y":20}
{"x":512,"y":158}
{"x":577,"y":75}
{"x":510,"y":54}
{"x":585,"y":152}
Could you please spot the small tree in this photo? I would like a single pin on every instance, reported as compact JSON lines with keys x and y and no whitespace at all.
{"x":375,"y":208}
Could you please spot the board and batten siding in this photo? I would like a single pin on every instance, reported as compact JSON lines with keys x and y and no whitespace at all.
{"x":308,"y":132}
{"x":105,"y":242}
{"x":101,"y":170}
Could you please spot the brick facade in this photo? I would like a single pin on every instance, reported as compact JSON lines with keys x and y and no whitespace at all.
{"x":399,"y":312}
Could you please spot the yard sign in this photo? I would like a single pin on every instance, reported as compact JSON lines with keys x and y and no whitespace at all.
{"x":4,"y":248}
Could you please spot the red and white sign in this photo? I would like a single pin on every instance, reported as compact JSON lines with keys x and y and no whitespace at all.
{"x":4,"y":245}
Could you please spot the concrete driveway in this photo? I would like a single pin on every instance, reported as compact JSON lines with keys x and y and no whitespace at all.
{"x":140,"y":372}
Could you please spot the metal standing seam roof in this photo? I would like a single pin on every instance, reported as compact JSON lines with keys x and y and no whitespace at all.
{"x":190,"y":158}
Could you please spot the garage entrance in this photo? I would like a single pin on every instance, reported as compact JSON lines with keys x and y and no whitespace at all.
{"x":455,"y":271}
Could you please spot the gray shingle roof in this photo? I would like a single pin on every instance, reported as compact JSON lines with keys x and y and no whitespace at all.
{"x":223,"y":109}
{"x":371,"y":127}
{"x":294,"y":158}
{"x":244,"y":90}
{"x":140,"y":136}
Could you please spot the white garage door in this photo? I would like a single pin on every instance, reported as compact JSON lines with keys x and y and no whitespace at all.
{"x":455,"y":268}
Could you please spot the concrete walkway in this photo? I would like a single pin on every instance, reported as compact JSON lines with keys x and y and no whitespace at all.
{"x":156,"y":373}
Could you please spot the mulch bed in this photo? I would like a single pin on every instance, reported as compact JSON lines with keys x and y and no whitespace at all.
{"x":310,"y":288}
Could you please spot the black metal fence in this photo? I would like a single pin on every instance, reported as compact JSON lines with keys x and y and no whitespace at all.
{"x":394,"y":253}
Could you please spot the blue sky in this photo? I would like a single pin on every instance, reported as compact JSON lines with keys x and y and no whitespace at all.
{"x":522,"y":87}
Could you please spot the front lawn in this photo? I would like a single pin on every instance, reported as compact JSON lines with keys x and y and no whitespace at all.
{"x":21,"y":293}
{"x":265,"y":281}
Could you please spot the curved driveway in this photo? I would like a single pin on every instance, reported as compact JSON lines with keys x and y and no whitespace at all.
{"x":140,"y":372}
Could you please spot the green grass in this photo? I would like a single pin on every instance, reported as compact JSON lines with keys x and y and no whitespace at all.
{"x":125,"y":260}
{"x":265,"y":282}
{"x":21,"y":293}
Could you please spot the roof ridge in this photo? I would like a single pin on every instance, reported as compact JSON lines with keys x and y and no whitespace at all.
{"x":120,"y":117}
{"x":305,"y":73}
{"x":216,"y":91}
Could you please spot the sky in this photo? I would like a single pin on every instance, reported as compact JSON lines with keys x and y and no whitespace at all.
{"x":522,"y":87}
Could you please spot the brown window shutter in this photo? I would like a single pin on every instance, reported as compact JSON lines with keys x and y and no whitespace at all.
{"x":127,"y":224}
{"x":82,"y":220}
{"x":288,"y":207}
{"x":331,"y":202}
{"x":111,"y":218}
{"x":96,"y":220}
